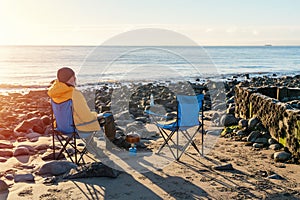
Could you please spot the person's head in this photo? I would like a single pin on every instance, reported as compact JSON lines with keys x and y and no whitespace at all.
{"x":66,"y":75}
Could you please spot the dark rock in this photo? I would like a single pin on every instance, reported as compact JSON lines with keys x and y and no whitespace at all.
{"x":275,"y":146}
{"x":20,"y":151}
{"x":241,"y":133}
{"x":252,"y":123}
{"x":261,"y":140}
{"x":253,"y":136}
{"x":9,"y":176}
{"x":81,"y":144}
{"x":71,"y":151}
{"x":258,"y":145}
{"x":243,"y":123}
{"x":223,"y":167}
{"x":230,"y":100}
{"x":228,"y":120}
{"x":57,"y":167}
{"x":3,"y":186}
{"x":282,"y":156}
{"x":272,"y":141}
{"x":96,"y":169}
{"x":230,"y":110}
{"x":50,"y":156}
{"x":23,"y":178}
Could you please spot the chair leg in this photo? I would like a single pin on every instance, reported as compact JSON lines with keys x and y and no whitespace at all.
{"x":53,"y":144}
{"x":75,"y":148}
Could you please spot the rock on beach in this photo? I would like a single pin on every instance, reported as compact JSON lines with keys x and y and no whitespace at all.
{"x":54,"y":168}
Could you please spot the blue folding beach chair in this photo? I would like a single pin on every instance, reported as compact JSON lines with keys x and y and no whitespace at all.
{"x":65,"y":132}
{"x":188,"y":108}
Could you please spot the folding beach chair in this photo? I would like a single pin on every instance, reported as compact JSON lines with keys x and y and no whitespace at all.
{"x":188,"y":108}
{"x":65,"y":132}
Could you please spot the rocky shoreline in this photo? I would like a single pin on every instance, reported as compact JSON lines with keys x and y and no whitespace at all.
{"x":25,"y":130}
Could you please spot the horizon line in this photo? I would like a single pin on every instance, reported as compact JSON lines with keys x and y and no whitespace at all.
{"x":92,"y":45}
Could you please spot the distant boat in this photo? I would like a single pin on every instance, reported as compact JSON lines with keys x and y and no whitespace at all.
{"x":268,"y":45}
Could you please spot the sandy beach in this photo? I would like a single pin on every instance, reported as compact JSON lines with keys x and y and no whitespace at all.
{"x":250,"y":175}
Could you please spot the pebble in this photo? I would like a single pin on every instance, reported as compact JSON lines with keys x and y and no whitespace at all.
{"x":24,"y":178}
{"x":9,"y":176}
{"x":3,"y":186}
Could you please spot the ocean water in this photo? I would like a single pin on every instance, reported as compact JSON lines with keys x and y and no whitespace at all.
{"x":36,"y":66}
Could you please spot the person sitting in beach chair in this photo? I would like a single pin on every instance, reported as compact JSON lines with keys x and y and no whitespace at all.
{"x":63,"y":90}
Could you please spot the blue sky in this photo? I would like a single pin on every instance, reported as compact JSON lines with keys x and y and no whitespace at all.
{"x":208,"y":22}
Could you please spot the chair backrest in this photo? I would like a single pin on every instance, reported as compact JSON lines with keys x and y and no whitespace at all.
{"x":188,"y":110}
{"x":63,"y":113}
